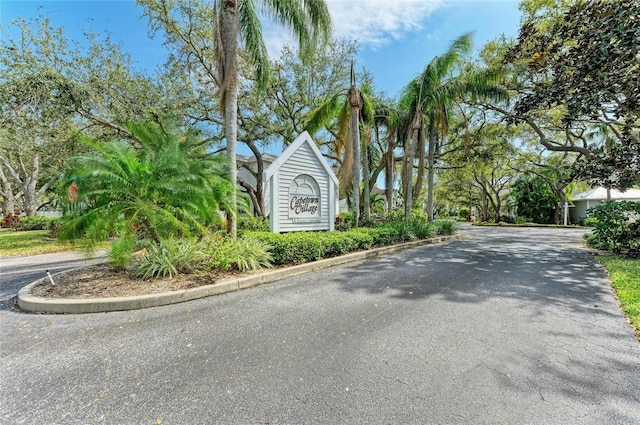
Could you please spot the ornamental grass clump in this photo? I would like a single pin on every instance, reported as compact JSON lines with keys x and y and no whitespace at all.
{"x":172,"y":257}
{"x":168,"y":258}
{"x":240,"y":254}
{"x":445,"y":227}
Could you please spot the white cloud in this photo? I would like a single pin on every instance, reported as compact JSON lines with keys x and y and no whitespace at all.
{"x":378,"y":22}
{"x":374,"y":23}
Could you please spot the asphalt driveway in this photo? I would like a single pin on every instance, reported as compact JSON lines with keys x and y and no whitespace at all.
{"x":16,"y":272}
{"x":511,"y":326}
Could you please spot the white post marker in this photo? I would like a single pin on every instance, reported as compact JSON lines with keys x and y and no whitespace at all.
{"x":50,"y":278}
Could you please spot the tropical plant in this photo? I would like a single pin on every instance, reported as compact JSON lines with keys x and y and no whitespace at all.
{"x":168,"y":258}
{"x":244,"y":253}
{"x":445,"y":227}
{"x":309,"y":20}
{"x":432,"y":94}
{"x":165,"y":186}
{"x":351,"y":108}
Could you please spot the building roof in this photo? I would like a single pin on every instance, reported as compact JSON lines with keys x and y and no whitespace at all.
{"x":303,"y":138}
{"x":600,"y":193}
{"x":266,"y":157}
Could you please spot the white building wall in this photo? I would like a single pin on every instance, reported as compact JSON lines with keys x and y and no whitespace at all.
{"x":303,"y":161}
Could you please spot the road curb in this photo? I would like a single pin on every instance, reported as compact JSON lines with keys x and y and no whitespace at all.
{"x":30,"y":303}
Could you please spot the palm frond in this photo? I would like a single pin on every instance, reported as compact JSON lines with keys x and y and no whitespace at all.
{"x":322,"y":115}
{"x":368,"y":111}
{"x":251,"y":30}
{"x":344,"y":141}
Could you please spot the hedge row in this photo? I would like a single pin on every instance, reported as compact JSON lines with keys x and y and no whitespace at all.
{"x":303,"y":247}
{"x":29,"y":223}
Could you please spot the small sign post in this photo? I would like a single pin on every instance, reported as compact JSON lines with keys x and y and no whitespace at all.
{"x":72,"y":192}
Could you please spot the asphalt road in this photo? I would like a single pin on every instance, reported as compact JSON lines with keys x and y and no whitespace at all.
{"x":16,"y":272}
{"x":510,"y":326}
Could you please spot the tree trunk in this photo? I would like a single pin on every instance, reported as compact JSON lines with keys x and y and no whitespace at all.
{"x":8,"y":197}
{"x":230,"y":100}
{"x":258,"y":199}
{"x":420,"y":151}
{"x":30,"y":180}
{"x":408,"y":201}
{"x":408,"y":180}
{"x":390,"y":169}
{"x":355,"y":102}
{"x":366,"y":189}
{"x":251,"y":191}
{"x":355,"y":173}
{"x":431,"y":171}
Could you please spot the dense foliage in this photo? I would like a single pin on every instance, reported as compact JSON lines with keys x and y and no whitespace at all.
{"x":533,"y":199}
{"x":165,"y":185}
{"x":586,"y":63}
{"x":617,"y":226}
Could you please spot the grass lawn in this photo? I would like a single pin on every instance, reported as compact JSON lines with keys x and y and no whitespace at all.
{"x":14,"y":243}
{"x":625,"y":276}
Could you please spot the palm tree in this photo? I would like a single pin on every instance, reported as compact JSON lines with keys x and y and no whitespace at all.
{"x":351,"y":109}
{"x":163,"y":186}
{"x":309,"y":20}
{"x":432,"y":94}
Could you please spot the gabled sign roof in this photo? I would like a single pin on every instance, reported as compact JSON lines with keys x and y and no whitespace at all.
{"x":304,"y":137}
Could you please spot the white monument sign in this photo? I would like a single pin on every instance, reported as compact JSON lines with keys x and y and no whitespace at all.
{"x":301,"y":189}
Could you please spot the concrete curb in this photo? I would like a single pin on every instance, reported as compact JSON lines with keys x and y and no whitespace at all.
{"x":29,"y":303}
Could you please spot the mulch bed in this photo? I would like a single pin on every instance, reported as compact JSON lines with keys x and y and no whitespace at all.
{"x":102,"y":281}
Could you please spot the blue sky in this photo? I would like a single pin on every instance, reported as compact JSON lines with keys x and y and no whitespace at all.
{"x":397,"y":37}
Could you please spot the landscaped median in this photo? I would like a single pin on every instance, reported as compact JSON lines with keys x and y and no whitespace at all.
{"x":30,"y":303}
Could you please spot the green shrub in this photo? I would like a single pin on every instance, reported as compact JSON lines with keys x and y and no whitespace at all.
{"x":522,"y":220}
{"x":613,"y":229}
{"x":396,"y":215}
{"x":384,"y":235}
{"x":38,"y":223}
{"x":423,"y":229}
{"x":344,"y":221}
{"x":445,"y":227}
{"x":303,"y":247}
{"x":590,"y":222}
{"x":240,"y":254}
{"x":168,"y":258}
{"x":464,"y":213}
{"x":338,"y":243}
{"x":361,"y":237}
{"x":404,"y":231}
{"x":292,"y":248}
{"x":260,"y":224}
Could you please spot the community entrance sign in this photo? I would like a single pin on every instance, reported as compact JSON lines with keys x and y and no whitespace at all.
{"x":301,"y":189}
